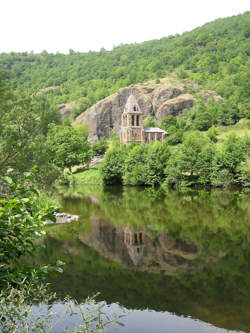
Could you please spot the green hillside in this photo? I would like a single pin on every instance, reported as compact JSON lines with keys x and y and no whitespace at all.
{"x":215,"y":55}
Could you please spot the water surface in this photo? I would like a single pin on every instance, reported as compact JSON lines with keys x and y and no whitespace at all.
{"x":179,"y":261}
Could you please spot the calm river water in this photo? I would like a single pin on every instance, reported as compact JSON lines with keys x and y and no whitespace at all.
{"x":178,"y":261}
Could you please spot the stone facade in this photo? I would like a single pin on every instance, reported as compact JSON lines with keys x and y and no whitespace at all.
{"x":132,"y":125}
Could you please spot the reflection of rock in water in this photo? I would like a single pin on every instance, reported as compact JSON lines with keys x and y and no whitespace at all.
{"x":137,"y":250}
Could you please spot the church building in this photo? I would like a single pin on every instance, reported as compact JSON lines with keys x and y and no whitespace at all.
{"x":132,"y":125}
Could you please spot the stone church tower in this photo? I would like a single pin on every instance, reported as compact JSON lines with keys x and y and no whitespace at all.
{"x":131,"y":127}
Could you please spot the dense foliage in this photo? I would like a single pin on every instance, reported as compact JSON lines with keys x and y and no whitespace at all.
{"x":196,"y":161}
{"x":21,"y":224}
{"x":215,"y":55}
{"x":67,"y":146}
{"x":22,"y":136}
{"x":32,"y":139}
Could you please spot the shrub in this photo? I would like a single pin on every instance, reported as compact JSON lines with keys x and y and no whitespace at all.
{"x":212,"y":133}
{"x":100,"y":147}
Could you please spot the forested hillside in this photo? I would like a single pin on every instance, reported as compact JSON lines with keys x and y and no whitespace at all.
{"x":212,"y":57}
{"x":215,"y":55}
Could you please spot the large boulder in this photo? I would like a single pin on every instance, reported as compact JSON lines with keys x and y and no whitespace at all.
{"x":165,"y":92}
{"x":106,"y":114}
{"x":174,"y":106}
{"x":168,"y":97}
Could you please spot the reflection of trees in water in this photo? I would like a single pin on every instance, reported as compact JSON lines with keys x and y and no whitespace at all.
{"x":195,"y":216}
{"x":211,"y":293}
{"x":214,"y":221}
{"x":182,"y":239}
{"x":197,"y":244}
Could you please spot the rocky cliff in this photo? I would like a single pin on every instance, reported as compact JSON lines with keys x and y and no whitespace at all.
{"x":169,"y":97}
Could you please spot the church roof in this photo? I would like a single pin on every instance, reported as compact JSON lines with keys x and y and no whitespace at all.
{"x":154,"y":130}
{"x":132,"y":105}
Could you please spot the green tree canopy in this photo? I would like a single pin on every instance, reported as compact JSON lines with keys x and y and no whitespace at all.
{"x":67,"y":146}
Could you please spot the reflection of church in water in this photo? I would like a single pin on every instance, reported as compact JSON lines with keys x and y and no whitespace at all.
{"x":135,"y":248}
{"x":134,"y":240}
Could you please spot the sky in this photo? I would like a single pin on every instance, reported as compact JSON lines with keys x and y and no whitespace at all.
{"x":83,"y":25}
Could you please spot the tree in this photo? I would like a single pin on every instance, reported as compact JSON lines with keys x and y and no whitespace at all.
{"x":83,"y":130}
{"x":203,"y":121}
{"x":149,"y":122}
{"x":135,"y":166}
{"x":175,"y":135}
{"x":191,"y":149}
{"x":191,"y":163}
{"x":158,"y":155}
{"x":47,"y":112}
{"x":228,"y":160}
{"x":113,"y":164}
{"x":67,"y":147}
{"x":168,"y":121}
{"x":212,"y":133}
{"x":99,"y":148}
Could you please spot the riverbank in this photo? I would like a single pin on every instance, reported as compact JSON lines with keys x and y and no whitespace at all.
{"x":90,"y":176}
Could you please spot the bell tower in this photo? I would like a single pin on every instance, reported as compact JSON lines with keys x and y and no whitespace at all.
{"x":131,"y":122}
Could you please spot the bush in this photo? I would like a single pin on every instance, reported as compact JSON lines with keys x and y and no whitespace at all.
{"x":243,"y":177}
{"x":222,"y":178}
{"x":212,"y":134}
{"x":99,"y":148}
{"x":17,"y":310}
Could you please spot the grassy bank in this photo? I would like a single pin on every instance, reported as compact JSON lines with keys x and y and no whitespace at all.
{"x":89,"y":176}
{"x":241,"y":129}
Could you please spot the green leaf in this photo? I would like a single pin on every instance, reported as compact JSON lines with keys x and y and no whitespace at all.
{"x":8,"y":179}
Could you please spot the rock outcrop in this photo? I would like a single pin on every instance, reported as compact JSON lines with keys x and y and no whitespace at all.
{"x":174,"y":106}
{"x":169,"y":97}
{"x":65,"y":109}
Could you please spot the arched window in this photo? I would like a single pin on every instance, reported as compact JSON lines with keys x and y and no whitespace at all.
{"x":133,"y":120}
{"x":137,"y":120}
{"x":134,"y":108}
